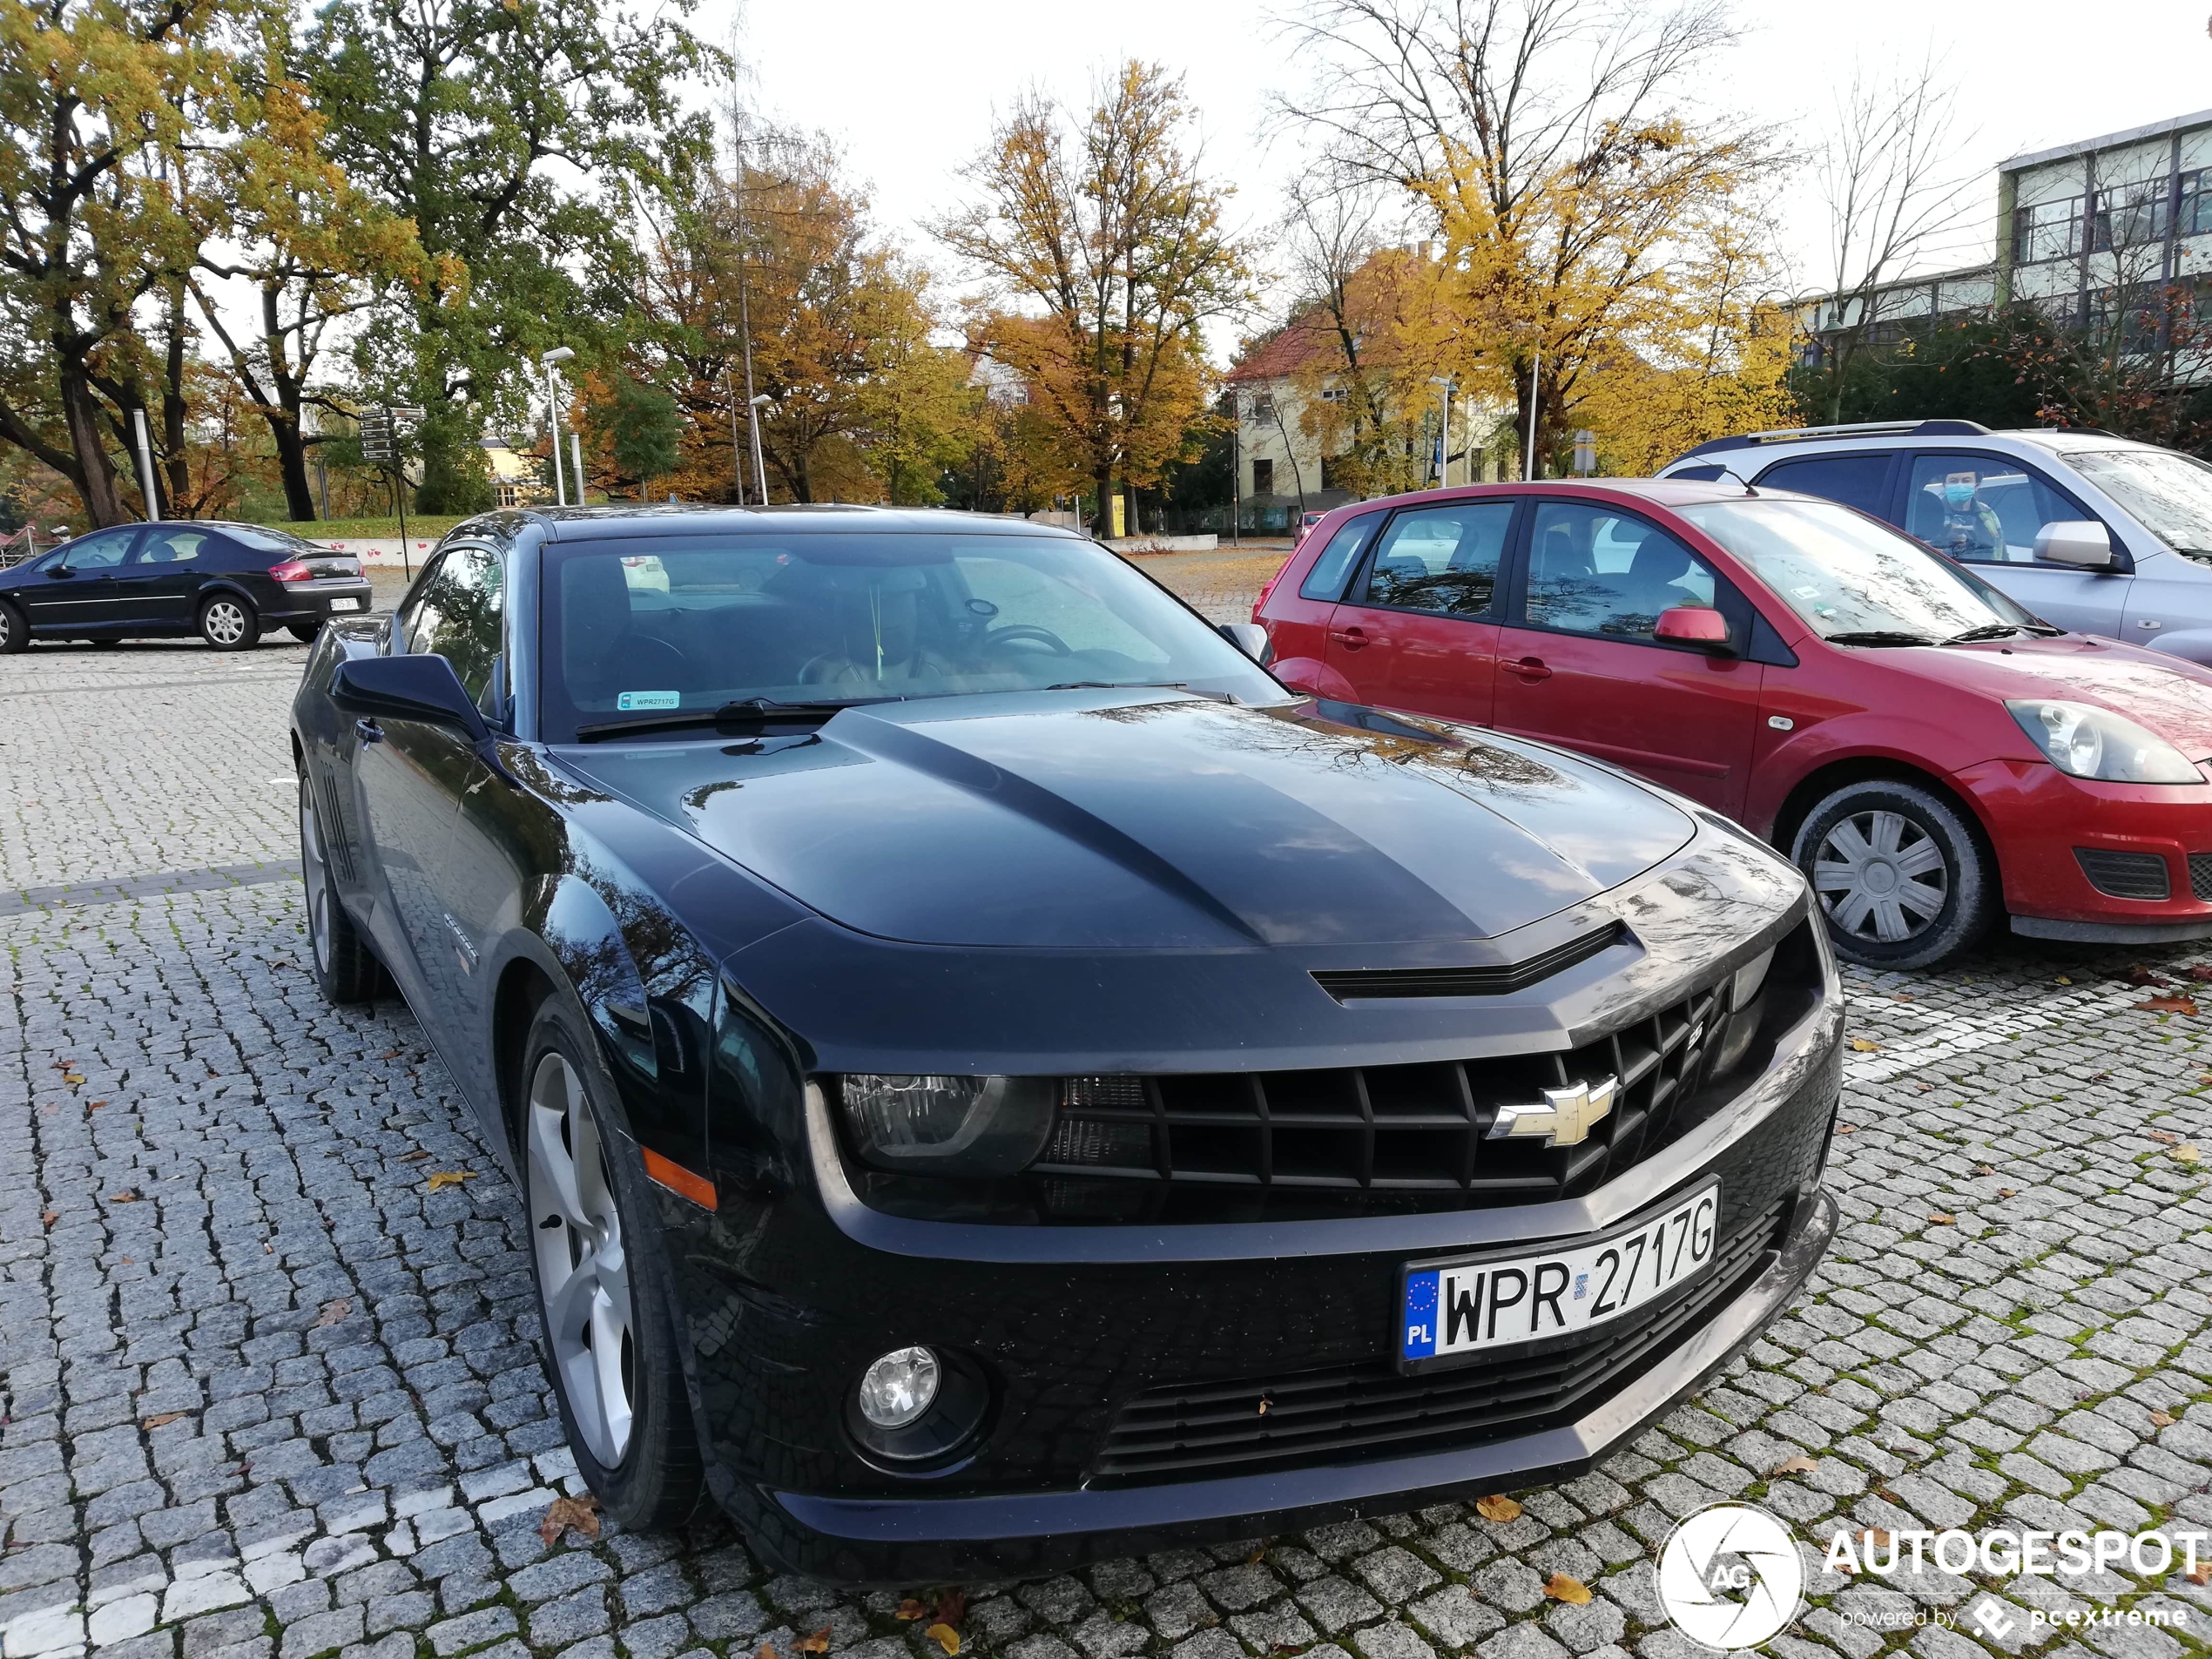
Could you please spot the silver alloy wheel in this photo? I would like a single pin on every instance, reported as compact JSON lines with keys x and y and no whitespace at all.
{"x":582,"y":1275}
{"x":1881,"y":876}
{"x":225,"y":621}
{"x":313,"y":874}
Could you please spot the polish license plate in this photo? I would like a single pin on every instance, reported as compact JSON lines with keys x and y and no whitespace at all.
{"x":1453,"y":1310}
{"x":347,"y":605}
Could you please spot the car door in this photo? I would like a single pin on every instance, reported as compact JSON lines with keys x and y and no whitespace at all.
{"x":1578,"y":664}
{"x":1984,"y":511}
{"x":78,"y":589}
{"x":1298,"y":618}
{"x":163,"y":577}
{"x":408,"y":778}
{"x":1420,"y":629}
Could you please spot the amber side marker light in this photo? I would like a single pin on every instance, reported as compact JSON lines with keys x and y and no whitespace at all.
{"x":679,"y":1180}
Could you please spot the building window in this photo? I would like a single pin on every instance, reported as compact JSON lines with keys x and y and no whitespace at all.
{"x":2047,"y":231}
{"x":1336,"y":395}
{"x":2195,"y":209}
{"x":1263,"y":407}
{"x":2129,"y":215}
{"x":1263,"y":476}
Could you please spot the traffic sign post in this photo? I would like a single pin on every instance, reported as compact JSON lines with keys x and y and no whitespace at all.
{"x":383,"y":435}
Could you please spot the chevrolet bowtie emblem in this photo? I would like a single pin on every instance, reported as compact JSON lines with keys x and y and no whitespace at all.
{"x":1564,"y":1119}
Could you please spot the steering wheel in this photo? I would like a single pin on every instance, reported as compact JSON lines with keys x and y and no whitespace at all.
{"x":1017,"y":630}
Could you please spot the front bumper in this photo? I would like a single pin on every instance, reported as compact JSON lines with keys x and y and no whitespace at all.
{"x":321,"y":599}
{"x":2039,"y":817}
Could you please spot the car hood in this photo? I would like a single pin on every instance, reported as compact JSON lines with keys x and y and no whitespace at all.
{"x":2170,"y":697}
{"x":1086,"y":822}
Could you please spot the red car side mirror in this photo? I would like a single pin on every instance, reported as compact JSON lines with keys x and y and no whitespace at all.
{"x":1692,"y":625}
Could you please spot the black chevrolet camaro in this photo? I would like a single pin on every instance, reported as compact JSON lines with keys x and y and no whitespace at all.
{"x":997,"y":1080}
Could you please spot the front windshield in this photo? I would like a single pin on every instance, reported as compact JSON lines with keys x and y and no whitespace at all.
{"x":1854,"y":580}
{"x":2169,"y":495}
{"x":689,"y":623}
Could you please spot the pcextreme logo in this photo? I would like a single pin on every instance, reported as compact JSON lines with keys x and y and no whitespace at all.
{"x":1730,"y":1576}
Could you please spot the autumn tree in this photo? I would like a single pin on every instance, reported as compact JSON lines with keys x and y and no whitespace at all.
{"x":99,"y":101}
{"x":1104,"y":249}
{"x":1549,"y":145}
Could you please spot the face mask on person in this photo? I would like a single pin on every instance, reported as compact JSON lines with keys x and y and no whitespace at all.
{"x":1958,"y":497}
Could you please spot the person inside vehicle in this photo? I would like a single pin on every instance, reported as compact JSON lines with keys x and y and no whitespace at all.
{"x":1971,"y":527}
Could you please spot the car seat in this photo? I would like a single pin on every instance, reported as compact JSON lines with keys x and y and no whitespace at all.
{"x":601,"y":648}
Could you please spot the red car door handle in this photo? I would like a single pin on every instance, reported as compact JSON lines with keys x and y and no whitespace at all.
{"x":1350,"y":638}
{"x":1529,"y":668}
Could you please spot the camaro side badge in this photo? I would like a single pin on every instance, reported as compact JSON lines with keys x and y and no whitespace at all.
{"x":1564,"y":1119}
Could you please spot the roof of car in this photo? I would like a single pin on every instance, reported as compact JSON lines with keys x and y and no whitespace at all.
{"x":1935,"y":433}
{"x":1660,"y":492}
{"x":691,"y":518}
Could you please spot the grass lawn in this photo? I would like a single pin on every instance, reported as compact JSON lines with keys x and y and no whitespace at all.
{"x":423,"y":527}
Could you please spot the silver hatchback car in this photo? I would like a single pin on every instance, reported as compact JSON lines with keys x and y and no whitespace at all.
{"x":2093,"y":533}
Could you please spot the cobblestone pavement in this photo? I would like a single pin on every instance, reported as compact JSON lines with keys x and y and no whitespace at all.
{"x":263,"y":1395}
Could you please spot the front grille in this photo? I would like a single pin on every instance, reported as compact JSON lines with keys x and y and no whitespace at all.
{"x":1187,"y":1432}
{"x":1495,"y":979}
{"x":2129,"y":875}
{"x":2200,"y":876}
{"x":1412,"y":1129}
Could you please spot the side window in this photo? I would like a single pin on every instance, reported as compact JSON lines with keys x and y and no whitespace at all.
{"x":1982,"y":508}
{"x":1325,"y":580}
{"x":164,"y":546}
{"x":1441,"y":559}
{"x":1594,"y":571}
{"x":1701,"y":473}
{"x":101,"y":552}
{"x":460,"y":616}
{"x":1860,"y":481}
{"x":407,"y":622}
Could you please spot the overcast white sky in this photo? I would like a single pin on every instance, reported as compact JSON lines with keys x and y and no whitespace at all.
{"x":909,"y":89}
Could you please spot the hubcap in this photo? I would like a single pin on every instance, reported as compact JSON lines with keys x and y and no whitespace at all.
{"x":582,"y":1275}
{"x":1881,"y":877}
{"x":225,"y":623}
{"x":312,"y":872}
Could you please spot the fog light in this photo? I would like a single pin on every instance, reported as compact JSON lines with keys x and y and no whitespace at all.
{"x":898,"y":1387}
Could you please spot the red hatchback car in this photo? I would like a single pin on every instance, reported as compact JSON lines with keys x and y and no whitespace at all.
{"x":1928,"y":753}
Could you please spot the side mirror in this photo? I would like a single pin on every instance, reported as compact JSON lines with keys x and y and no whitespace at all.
{"x":408,"y":688}
{"x":56,"y":570}
{"x":1249,"y":638}
{"x":2081,"y":543}
{"x":1693,"y":625}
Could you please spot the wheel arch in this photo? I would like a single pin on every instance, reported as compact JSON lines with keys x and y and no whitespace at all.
{"x":523,"y":986}
{"x":1822,"y":782}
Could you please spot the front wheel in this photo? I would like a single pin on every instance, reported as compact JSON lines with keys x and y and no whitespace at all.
{"x":345,"y":969}
{"x":609,"y":1340}
{"x":305,"y":632}
{"x":14,"y":635}
{"x":228,"y":623}
{"x":1900,"y":874}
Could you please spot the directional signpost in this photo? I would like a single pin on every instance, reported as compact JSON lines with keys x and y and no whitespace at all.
{"x":384,"y":433}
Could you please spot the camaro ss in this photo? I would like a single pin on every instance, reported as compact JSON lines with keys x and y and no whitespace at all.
{"x":995,"y":1079}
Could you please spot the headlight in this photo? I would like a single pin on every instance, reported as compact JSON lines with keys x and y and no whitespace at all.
{"x":958,"y":1126}
{"x":2084,"y":741}
{"x":1748,"y":980}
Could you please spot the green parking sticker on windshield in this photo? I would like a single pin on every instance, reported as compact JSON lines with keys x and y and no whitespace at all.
{"x":630,"y":700}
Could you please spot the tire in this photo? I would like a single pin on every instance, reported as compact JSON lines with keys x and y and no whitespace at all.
{"x":305,"y":632}
{"x":15,"y":633}
{"x":344,"y":968}
{"x":603,"y":1284}
{"x":228,"y":623}
{"x":1900,"y":874}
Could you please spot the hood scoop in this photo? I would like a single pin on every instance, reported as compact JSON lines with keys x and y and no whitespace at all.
{"x":1496,"y":979}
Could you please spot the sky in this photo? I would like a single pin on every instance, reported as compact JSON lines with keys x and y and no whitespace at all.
{"x":909,"y":92}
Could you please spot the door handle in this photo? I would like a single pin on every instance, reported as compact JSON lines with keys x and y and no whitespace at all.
{"x":1350,"y":638}
{"x":1531,"y":668}
{"x":368,"y":730}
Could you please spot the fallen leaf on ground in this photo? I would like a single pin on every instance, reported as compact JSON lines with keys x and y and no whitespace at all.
{"x":1572,"y":1591}
{"x":1797,"y":1463}
{"x":819,"y":1642}
{"x":2187,"y":1153}
{"x":413,"y":1157}
{"x":911,"y":1608}
{"x":2162,"y":1420}
{"x":2199,"y":971}
{"x":49,"y":1217}
{"x":2063,"y":980}
{"x":334,"y":1311}
{"x":1887,"y":1496}
{"x":766,"y":1652}
{"x":1943,"y":1218}
{"x":2168,"y":1005}
{"x":94,"y":1105}
{"x":2008,"y":1192}
{"x":159,"y":1418}
{"x":2201,"y":1575}
{"x":391,"y":1054}
{"x":1983,"y":1169}
{"x":1862,"y":1045}
{"x":582,"y":1513}
{"x":1874,"y":1535}
{"x":2166,"y":1136}
{"x":1257,"y":1556}
{"x":2141,"y":975}
{"x":1498,"y":1508}
{"x":129,"y":1195}
{"x":945,"y":1636}
{"x":952,"y":1605}
{"x":442,"y":1179}
{"x":1847,"y":1129}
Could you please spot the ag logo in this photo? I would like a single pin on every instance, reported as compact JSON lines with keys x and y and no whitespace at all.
{"x":1730,"y":1576}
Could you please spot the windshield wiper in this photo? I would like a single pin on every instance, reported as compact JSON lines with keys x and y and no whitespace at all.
{"x":744,"y":711}
{"x":1994,"y":631}
{"x":1141,"y":685}
{"x":1879,"y":636}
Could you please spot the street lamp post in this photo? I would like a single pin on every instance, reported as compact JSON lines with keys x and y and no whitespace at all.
{"x":546,"y":359}
{"x":1444,"y":436}
{"x":753,"y":405}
